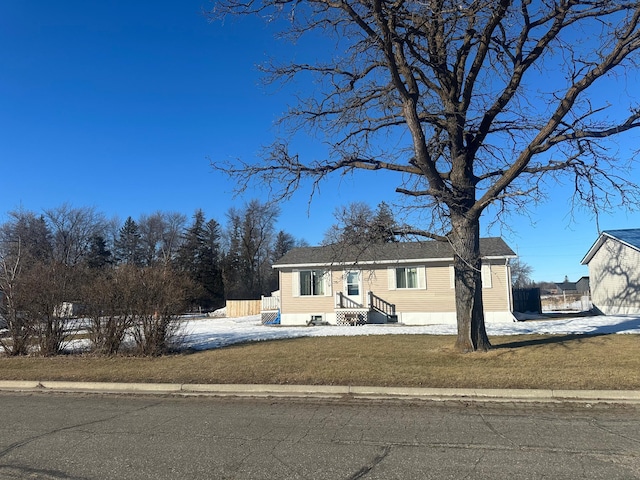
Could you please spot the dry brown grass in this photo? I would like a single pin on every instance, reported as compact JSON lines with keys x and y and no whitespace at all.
{"x":531,"y":361}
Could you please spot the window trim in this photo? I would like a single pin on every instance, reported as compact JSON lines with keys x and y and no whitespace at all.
{"x":325,"y":278}
{"x":485,"y":275}
{"x":358,"y":282}
{"x":421,"y":277}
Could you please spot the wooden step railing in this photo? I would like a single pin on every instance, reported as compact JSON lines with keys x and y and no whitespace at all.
{"x":380,"y":305}
{"x":342,"y":301}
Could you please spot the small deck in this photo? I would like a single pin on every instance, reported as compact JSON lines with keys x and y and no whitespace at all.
{"x":376,"y":310}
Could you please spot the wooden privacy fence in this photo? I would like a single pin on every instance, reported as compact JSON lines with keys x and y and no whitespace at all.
{"x":243,"y":308}
{"x":527,"y":300}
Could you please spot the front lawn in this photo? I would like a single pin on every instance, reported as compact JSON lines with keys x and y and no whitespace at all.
{"x":517,"y":361}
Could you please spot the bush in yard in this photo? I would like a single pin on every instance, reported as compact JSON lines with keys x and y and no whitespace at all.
{"x":45,"y":288}
{"x":160,"y":295}
{"x":18,"y":335}
{"x":109,"y":295}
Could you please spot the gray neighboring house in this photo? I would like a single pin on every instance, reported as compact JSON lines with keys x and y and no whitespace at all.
{"x":407,"y":282}
{"x":566,"y":287}
{"x":614,"y":272}
{"x":583,"y":286}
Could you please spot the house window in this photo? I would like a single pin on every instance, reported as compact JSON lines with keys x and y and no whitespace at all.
{"x":312,"y":282}
{"x":353,"y":284}
{"x":407,"y":277}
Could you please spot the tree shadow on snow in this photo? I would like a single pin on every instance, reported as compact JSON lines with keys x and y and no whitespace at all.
{"x":625,"y":324}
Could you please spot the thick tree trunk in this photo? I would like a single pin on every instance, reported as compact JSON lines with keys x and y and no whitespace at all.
{"x":465,"y":239}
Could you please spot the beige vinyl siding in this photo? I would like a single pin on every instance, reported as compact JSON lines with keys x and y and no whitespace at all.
{"x":438,"y":296}
{"x":496,"y":297}
{"x":305,"y":303}
{"x":615,"y":278}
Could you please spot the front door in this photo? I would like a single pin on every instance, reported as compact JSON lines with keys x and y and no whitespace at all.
{"x":353,"y":286}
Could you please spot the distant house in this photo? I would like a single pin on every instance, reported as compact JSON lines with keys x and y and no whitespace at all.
{"x":407,"y":282}
{"x":614,"y":271}
{"x":583,"y":286}
{"x":566,"y":287}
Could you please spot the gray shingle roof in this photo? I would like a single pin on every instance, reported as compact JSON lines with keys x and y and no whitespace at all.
{"x":386,"y":252}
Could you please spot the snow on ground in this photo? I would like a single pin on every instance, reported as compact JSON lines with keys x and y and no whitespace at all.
{"x":210,"y":333}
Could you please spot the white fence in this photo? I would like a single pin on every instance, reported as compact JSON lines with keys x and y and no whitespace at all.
{"x":566,"y":302}
{"x":270,"y":303}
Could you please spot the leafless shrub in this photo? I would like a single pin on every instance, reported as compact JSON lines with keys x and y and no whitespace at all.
{"x":160,"y":297}
{"x":18,"y":337}
{"x":45,"y":289}
{"x":110,"y":296}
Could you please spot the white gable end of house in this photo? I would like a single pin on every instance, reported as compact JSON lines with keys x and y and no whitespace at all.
{"x":614,"y":272}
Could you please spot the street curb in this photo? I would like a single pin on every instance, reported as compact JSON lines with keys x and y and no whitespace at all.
{"x":331,"y":391}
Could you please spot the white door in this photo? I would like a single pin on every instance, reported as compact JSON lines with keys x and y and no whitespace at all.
{"x":353,"y":286}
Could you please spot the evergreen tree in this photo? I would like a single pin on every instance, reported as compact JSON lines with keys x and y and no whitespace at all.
{"x":234,"y":267}
{"x":128,"y":249}
{"x":283,"y":243}
{"x":189,"y":252}
{"x":199,"y":257}
{"x":211,"y":273}
{"x":98,"y":256}
{"x":27,"y":236}
{"x":383,"y":225}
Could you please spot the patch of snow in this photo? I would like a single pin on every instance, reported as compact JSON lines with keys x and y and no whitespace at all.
{"x":210,"y":333}
{"x":221,"y":312}
{"x":206,"y":333}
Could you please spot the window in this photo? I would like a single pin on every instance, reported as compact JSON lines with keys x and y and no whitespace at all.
{"x":353,"y":284}
{"x":407,"y":277}
{"x":312,"y":282}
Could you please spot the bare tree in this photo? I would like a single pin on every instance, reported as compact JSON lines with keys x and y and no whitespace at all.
{"x":72,"y":230}
{"x":520,"y":274}
{"x":250,"y":240}
{"x":18,"y":329}
{"x":160,"y":235}
{"x":358,"y":223}
{"x":477,"y":105}
{"x":25,"y":242}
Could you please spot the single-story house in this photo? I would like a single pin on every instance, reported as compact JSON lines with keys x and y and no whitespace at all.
{"x":406,"y":282}
{"x":614,"y":271}
{"x":566,"y":287}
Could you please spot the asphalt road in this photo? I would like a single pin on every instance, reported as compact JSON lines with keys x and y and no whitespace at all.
{"x":52,"y":436}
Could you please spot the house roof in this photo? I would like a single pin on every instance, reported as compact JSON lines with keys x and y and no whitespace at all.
{"x":398,"y":252}
{"x":629,"y":237}
{"x":567,"y":286}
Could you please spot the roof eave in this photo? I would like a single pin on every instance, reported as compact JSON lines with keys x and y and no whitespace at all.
{"x":385,"y":262}
{"x":594,"y":248}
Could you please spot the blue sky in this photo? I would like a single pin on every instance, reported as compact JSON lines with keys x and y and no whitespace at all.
{"x":121,"y":105}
